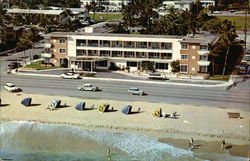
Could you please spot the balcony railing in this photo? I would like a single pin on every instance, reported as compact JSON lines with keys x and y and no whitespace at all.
{"x":104,"y":55}
{"x":203,"y":52}
{"x":92,"y":54}
{"x":203,"y":63}
{"x":80,"y":44}
{"x":93,"y":45}
{"x":154,"y":57}
{"x":105,"y":45}
{"x":116,"y":55}
{"x":129,"y":56}
{"x":166,"y":57}
{"x":81,"y":54}
{"x":141,"y":56}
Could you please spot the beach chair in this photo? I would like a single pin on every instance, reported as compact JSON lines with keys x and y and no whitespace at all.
{"x":158,"y":112}
{"x":233,"y":115}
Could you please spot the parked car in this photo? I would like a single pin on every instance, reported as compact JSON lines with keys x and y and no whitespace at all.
{"x":14,"y":65}
{"x":240,"y":12}
{"x":157,"y":76}
{"x":216,"y":12}
{"x":70,"y":75}
{"x":136,"y":91}
{"x":88,"y":87}
{"x":12,"y":87}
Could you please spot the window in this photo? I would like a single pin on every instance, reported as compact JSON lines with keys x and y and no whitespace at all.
{"x":166,"y":55}
{"x":62,"y":41}
{"x":62,"y":51}
{"x":166,"y":45}
{"x":93,"y":43}
{"x":184,"y":68}
{"x":104,"y":43}
{"x":104,"y":53}
{"x":80,"y":52}
{"x":203,"y":69}
{"x":203,"y":47}
{"x":131,"y":64}
{"x":81,"y":42}
{"x":102,"y":63}
{"x":161,"y":66}
{"x":184,"y":46}
{"x":184,"y":57}
{"x":203,"y":57}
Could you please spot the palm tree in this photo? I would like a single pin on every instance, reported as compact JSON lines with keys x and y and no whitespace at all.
{"x":4,"y":17}
{"x":128,"y":17}
{"x":69,"y":25}
{"x":93,"y":6}
{"x":214,"y":54}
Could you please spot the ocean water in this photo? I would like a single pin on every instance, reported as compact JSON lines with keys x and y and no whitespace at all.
{"x":31,"y":141}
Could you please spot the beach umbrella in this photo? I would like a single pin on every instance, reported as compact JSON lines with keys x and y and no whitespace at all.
{"x":127,"y":109}
{"x":158,"y":112}
{"x":26,"y":101}
{"x":80,"y":106}
{"x":104,"y":107}
{"x":56,"y":103}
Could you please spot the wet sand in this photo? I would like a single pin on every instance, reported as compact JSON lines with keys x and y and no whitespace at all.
{"x":202,"y":146}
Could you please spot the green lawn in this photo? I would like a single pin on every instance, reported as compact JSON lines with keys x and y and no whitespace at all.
{"x":218,"y":77}
{"x":105,"y":16}
{"x":38,"y":65}
{"x":238,"y":21}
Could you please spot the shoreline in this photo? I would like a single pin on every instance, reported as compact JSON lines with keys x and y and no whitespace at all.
{"x":207,"y":125}
{"x":202,"y":144}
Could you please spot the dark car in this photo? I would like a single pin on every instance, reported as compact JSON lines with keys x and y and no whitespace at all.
{"x":14,"y":65}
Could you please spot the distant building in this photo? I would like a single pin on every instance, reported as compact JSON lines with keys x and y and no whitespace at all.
{"x":5,"y":4}
{"x":93,"y":51}
{"x":77,"y":13}
{"x":109,"y":5}
{"x":186,"y":4}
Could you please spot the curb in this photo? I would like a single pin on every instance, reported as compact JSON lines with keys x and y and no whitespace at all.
{"x":225,"y":84}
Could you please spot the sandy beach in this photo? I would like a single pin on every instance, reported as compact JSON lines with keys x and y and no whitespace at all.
{"x":207,"y":125}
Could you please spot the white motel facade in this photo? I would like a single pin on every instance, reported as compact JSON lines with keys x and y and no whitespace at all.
{"x":95,"y":51}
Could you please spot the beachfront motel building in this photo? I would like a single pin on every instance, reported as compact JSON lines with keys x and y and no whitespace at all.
{"x":95,"y":51}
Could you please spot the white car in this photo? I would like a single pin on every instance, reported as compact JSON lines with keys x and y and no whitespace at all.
{"x":70,"y":75}
{"x":12,"y":88}
{"x":216,"y":12}
{"x":157,"y":76}
{"x":88,"y":87}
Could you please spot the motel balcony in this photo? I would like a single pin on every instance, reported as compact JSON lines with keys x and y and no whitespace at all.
{"x":116,"y":55}
{"x":154,"y":57}
{"x":203,"y":63}
{"x":80,"y":44}
{"x":203,"y":52}
{"x":92,"y":54}
{"x":81,"y":54}
{"x":166,"y":57}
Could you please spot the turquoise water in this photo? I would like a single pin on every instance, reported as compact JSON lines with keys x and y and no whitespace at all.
{"x":30,"y":141}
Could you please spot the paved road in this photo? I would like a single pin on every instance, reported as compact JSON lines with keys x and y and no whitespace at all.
{"x":236,"y":97}
{"x":219,"y":97}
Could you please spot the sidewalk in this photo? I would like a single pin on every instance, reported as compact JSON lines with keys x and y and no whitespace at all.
{"x":177,"y":82}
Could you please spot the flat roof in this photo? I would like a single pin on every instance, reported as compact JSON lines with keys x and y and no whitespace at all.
{"x":34,"y":11}
{"x":67,"y":34}
{"x":198,"y":38}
